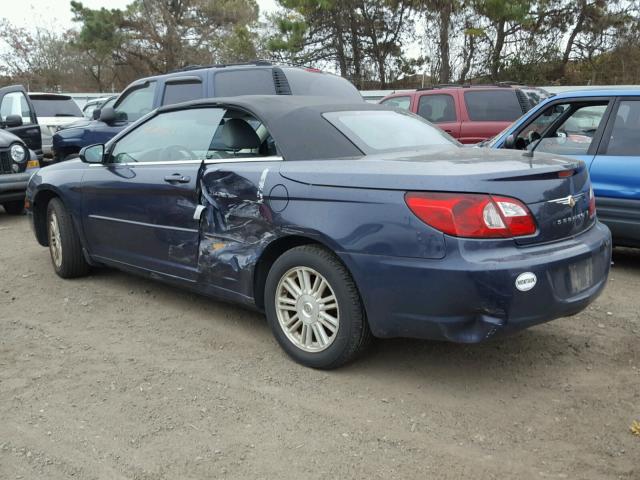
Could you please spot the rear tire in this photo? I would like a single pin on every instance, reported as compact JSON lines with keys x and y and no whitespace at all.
{"x":15,"y":207}
{"x":314,"y":308}
{"x":64,"y":244}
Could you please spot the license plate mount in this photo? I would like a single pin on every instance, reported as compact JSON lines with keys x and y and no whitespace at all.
{"x":580,"y":276}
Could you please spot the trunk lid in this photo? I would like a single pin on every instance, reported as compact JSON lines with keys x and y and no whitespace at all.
{"x":556,"y":189}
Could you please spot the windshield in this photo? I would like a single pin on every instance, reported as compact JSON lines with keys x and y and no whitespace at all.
{"x":377,"y":131}
{"x":56,"y":107}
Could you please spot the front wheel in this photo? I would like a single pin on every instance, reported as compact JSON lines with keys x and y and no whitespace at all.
{"x":64,"y":243}
{"x":314,"y":308}
{"x":15,"y":207}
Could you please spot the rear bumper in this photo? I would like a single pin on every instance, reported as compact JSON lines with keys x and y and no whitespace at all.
{"x":13,"y":186}
{"x":470,"y":295}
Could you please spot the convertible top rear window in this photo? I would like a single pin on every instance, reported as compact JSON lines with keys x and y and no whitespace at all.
{"x":376,"y":131}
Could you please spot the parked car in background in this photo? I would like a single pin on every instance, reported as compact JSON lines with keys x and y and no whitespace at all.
{"x":18,"y":116}
{"x":146,"y":94}
{"x":17,"y":163}
{"x":338,"y":218}
{"x":469,"y":113}
{"x":94,"y":106}
{"x":86,"y":122}
{"x":602,"y":128}
{"x":53,"y":110}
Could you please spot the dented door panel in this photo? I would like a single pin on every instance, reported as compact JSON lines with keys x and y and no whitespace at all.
{"x":236,"y":223}
{"x":249,"y":205}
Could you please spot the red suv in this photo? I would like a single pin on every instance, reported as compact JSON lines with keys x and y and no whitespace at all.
{"x":470,"y":114}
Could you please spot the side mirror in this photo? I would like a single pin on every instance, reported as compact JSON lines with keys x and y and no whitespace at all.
{"x":13,"y":121}
{"x":108,"y":115}
{"x":96,"y":114}
{"x":92,"y":153}
{"x":509,"y":142}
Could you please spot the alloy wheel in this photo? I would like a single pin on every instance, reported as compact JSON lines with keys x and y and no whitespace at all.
{"x":307,"y":309}
{"x":55,"y":243}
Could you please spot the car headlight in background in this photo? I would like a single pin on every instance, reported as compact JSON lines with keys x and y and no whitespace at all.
{"x":18,"y":153}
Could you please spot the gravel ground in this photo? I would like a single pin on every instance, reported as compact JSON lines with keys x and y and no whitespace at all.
{"x":117,"y":377}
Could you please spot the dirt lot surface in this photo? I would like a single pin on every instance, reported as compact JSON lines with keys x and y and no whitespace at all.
{"x":117,"y":377}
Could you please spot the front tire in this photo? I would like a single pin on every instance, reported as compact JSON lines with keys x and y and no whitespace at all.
{"x":64,"y":244}
{"x":314,"y":308}
{"x":15,"y":207}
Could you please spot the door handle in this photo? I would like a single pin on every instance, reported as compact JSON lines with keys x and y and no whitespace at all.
{"x":177,"y":178}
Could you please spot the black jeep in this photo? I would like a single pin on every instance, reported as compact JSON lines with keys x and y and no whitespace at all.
{"x":20,"y":146}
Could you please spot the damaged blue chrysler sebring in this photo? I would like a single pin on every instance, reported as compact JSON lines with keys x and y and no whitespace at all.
{"x":341,"y":221}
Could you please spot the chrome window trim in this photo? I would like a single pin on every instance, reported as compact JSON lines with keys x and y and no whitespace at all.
{"x":212,"y":161}
{"x":143,"y":224}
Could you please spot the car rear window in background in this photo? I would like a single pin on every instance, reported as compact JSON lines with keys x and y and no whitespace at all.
{"x":386,"y":131}
{"x":438,"y":108}
{"x":493,"y":105}
{"x":181,"y":92}
{"x":398,"y":102}
{"x":243,"y":82}
{"x":55,"y":107}
{"x":309,"y":82}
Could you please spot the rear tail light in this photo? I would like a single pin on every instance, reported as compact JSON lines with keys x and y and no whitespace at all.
{"x":566,"y":173}
{"x":472,"y":215}
{"x":592,"y":203}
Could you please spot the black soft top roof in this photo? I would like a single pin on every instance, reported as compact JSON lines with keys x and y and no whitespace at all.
{"x":295,"y":122}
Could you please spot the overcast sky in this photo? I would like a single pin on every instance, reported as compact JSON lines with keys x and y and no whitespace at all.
{"x":57,"y":13}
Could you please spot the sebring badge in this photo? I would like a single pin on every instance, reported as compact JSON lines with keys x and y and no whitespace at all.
{"x":526,"y":281}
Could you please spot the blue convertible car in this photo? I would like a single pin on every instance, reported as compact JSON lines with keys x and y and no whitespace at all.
{"x":341,"y":221}
{"x":600,"y":127}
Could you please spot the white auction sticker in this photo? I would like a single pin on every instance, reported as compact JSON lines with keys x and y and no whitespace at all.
{"x":526,"y":281}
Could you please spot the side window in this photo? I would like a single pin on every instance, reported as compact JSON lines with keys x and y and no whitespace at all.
{"x":437,"y":108}
{"x":398,"y":102}
{"x":499,"y":105}
{"x":181,"y":92}
{"x":194,"y":134}
{"x":624,"y":135}
{"x":534,"y":130}
{"x":243,"y":82}
{"x":171,"y":136}
{"x":575,"y":134}
{"x":15,"y":103}
{"x":136,"y":103}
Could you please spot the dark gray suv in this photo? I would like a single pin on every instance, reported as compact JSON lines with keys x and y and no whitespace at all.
{"x":192,"y":83}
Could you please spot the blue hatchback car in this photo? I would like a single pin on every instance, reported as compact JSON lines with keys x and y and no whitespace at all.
{"x":602,"y":128}
{"x":339,"y":220}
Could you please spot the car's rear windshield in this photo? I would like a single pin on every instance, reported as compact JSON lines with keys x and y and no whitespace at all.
{"x":309,"y":82}
{"x":55,"y":107}
{"x":493,"y":105}
{"x":377,"y":131}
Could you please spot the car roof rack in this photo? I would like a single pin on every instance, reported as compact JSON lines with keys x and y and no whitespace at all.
{"x":467,"y":85}
{"x":257,"y":63}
